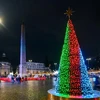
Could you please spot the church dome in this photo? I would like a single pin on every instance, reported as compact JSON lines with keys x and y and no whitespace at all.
{"x":4,"y":58}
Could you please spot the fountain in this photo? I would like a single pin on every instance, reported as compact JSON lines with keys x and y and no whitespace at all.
{"x":73,"y":82}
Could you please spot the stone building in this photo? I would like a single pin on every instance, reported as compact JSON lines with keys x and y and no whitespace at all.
{"x":34,"y":67}
{"x":5,"y":65}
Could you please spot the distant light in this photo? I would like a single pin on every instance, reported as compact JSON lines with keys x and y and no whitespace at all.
{"x":55,"y":64}
{"x":55,"y":72}
{"x":94,"y":79}
{"x":30,"y":60}
{"x":0,"y":21}
{"x":11,"y":73}
{"x":88,"y":59}
{"x":2,"y":64}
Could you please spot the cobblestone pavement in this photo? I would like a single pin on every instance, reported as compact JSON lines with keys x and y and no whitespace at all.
{"x":31,"y":90}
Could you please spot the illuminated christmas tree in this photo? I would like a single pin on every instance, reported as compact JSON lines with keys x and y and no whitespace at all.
{"x":72,"y":77}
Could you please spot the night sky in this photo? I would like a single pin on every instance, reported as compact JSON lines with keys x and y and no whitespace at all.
{"x":45,"y":25}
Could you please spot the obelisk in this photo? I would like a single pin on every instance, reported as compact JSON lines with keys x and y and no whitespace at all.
{"x":22,"y":66}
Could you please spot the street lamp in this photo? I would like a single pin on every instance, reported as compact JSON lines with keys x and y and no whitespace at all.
{"x":55,"y":64}
{"x":0,"y":21}
{"x":88,"y":59}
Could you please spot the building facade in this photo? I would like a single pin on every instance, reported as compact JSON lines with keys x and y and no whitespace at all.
{"x":33,"y":67}
{"x":5,"y":66}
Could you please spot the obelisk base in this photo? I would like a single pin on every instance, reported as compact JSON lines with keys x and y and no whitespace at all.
{"x":22,"y":70}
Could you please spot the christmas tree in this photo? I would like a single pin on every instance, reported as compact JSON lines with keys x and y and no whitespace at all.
{"x":72,"y":77}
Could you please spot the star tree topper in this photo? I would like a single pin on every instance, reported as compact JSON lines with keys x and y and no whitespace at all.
{"x":69,"y":12}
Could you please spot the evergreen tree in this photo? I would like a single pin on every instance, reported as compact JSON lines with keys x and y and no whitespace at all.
{"x":72,"y":77}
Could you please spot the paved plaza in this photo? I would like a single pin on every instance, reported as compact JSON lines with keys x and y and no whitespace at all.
{"x":30,"y":90}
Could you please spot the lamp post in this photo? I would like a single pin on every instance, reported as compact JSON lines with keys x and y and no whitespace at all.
{"x":88,"y":60}
{"x":0,"y":21}
{"x":55,"y":64}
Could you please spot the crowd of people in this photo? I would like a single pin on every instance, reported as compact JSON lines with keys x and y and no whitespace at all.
{"x":18,"y":79}
{"x":95,"y":79}
{"x":14,"y":78}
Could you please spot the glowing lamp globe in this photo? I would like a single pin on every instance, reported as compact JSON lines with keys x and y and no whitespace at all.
{"x":0,"y":21}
